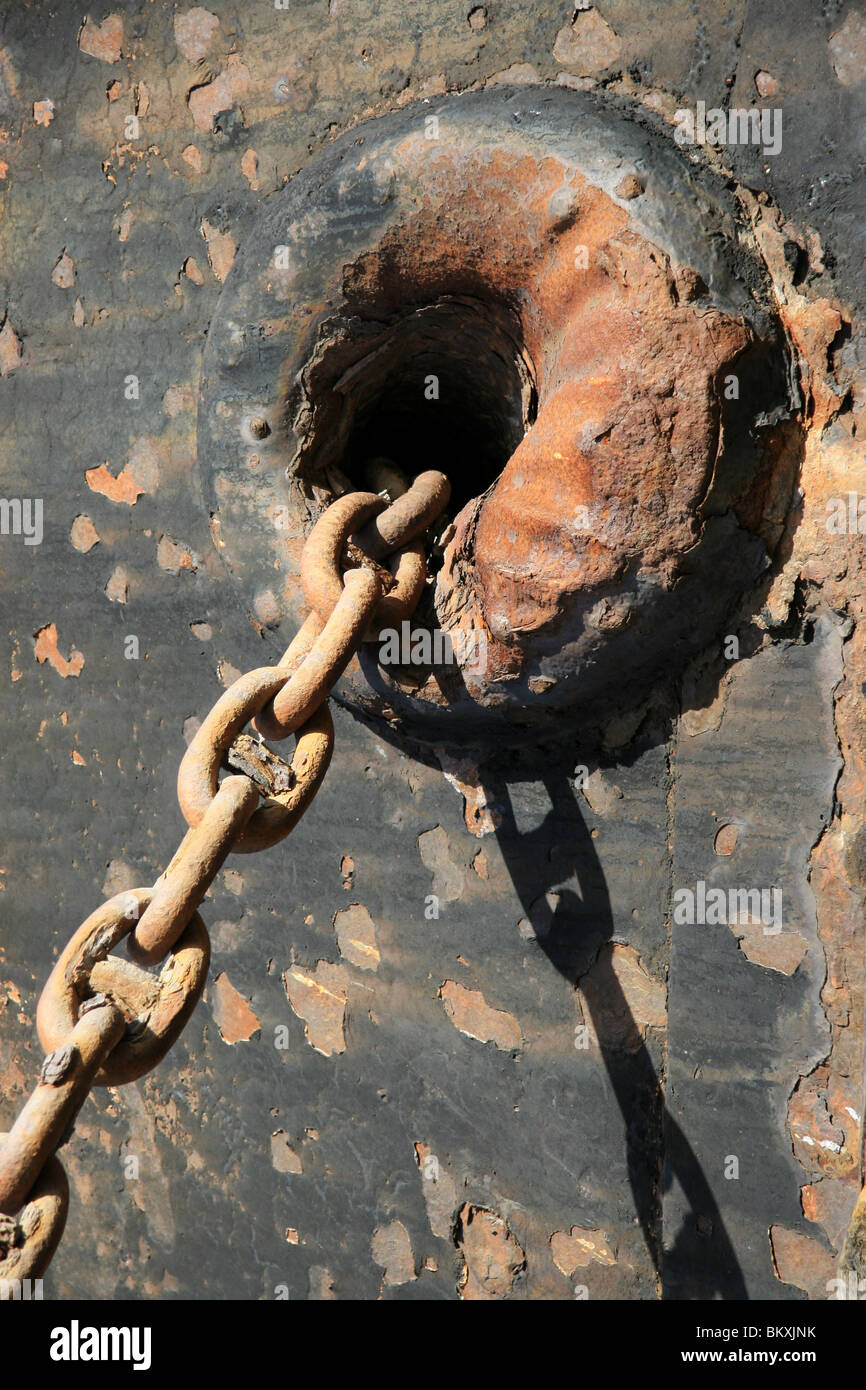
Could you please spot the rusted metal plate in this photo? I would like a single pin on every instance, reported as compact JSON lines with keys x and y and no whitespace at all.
{"x":605,"y":364}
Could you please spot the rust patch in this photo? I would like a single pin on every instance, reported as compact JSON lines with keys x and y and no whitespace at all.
{"x":619,"y":1000}
{"x":46,"y":649}
{"x":83,"y":534}
{"x":471,"y":1014}
{"x":43,"y":112}
{"x":283,"y":1156}
{"x":438,"y":1189}
{"x":492,"y":1256}
{"x":577,"y":1248}
{"x":480,"y":815}
{"x":63,"y":273}
{"x":250,"y":169}
{"x":392,"y":1249}
{"x":319,"y":998}
{"x":234,"y":1017}
{"x":103,"y":41}
{"x":206,"y":102}
{"x":448,"y":877}
{"x":781,"y":951}
{"x":829,"y":1204}
{"x":117,"y":588}
{"x":588,"y":45}
{"x":802,"y":1261}
{"x":221,"y":249}
{"x":194,"y":32}
{"x":173,"y":556}
{"x":122,"y":488}
{"x":356,"y":936}
{"x":10,"y":349}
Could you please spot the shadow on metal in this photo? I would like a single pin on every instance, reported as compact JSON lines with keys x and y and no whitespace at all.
{"x":697,"y":1266}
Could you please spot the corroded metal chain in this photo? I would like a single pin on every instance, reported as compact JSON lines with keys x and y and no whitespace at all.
{"x":103,"y":1020}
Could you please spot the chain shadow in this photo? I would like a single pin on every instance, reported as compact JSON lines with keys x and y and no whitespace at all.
{"x":701,"y":1264}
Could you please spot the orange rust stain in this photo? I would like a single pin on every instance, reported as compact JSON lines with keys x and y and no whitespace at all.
{"x":103,"y":41}
{"x":63,"y":273}
{"x":194,"y":32}
{"x":43,"y":112}
{"x":492,"y":1255}
{"x":391,"y":1248}
{"x":122,"y":488}
{"x":283,"y":1156}
{"x":471,"y":1014}
{"x":577,"y":1248}
{"x":46,"y":650}
{"x":207,"y":102}
{"x":250,"y":169}
{"x":10,"y":349}
{"x":234,"y":1017}
{"x":356,"y":936}
{"x":192,"y":156}
{"x":83,"y":534}
{"x":221,"y":249}
{"x":319,"y":997}
{"x":802,"y":1261}
{"x":173,"y":556}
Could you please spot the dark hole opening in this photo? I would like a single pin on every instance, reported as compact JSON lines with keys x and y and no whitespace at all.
{"x":448,"y":386}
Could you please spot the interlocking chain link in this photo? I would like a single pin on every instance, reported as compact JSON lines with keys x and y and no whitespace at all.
{"x":103,"y":1020}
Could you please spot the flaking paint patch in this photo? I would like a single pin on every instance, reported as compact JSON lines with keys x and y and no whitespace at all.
{"x":619,"y":1000}
{"x":173,"y":556}
{"x":46,"y":649}
{"x":782,"y":951}
{"x":802,"y":1261}
{"x":206,"y":102}
{"x":438,"y":1188}
{"x":117,"y":588}
{"x":283,"y":1156}
{"x":63,"y":273}
{"x":122,"y":488}
{"x":448,"y":877}
{"x":194,"y":32}
{"x":10,"y":349}
{"x":319,"y":997}
{"x":356,"y":936}
{"x":103,"y":41}
{"x":492,"y":1255}
{"x":83,"y":534}
{"x":391,"y":1248}
{"x":578,"y":1248}
{"x":221,"y":249}
{"x":471,"y":1014}
{"x":234,"y":1017}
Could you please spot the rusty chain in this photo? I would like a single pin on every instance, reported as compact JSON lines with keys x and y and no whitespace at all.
{"x":103,"y":1020}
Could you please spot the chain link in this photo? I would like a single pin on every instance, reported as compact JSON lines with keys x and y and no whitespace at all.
{"x":105,"y":1021}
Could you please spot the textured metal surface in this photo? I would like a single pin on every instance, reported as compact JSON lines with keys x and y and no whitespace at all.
{"x":624,"y":524}
{"x":386,"y":1150}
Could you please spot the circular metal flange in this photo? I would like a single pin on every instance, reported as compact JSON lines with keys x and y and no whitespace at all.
{"x":592,"y":305}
